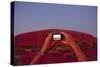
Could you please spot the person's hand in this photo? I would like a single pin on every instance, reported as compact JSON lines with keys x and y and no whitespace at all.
{"x":68,"y":39}
{"x":47,"y":43}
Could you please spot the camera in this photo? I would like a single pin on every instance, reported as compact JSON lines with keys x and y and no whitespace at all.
{"x":57,"y":36}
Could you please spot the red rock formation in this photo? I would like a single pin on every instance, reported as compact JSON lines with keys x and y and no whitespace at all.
{"x":27,"y":45}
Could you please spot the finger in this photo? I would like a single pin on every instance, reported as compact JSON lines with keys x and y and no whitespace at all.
{"x":65,"y":34}
{"x":50,"y":35}
{"x":63,"y":42}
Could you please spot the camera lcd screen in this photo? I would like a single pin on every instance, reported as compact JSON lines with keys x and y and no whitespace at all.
{"x":57,"y":37}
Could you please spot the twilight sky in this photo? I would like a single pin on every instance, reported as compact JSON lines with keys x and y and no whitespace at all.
{"x":38,"y":16}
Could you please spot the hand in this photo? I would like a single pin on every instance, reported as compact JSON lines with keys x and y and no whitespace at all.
{"x":68,"y":39}
{"x":48,"y":43}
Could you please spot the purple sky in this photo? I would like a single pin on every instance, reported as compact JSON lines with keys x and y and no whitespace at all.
{"x":38,"y":16}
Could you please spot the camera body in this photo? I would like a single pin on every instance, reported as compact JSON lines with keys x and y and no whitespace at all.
{"x":57,"y":36}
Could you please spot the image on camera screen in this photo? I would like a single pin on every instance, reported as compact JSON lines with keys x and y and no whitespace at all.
{"x":57,"y":36}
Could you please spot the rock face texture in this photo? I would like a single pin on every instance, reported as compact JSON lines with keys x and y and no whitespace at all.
{"x":27,"y":46}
